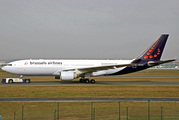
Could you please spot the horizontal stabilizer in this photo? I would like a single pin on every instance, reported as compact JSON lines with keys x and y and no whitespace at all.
{"x":151,"y":63}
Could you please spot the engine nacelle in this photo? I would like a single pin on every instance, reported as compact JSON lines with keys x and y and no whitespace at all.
{"x":68,"y":75}
{"x":150,"y":63}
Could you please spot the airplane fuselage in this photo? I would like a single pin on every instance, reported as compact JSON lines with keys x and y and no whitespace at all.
{"x":52,"y":67}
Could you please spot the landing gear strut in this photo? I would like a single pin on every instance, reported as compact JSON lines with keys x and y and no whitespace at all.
{"x":87,"y":80}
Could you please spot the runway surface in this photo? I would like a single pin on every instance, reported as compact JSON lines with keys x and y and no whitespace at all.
{"x":119,"y":76}
{"x":87,"y":99}
{"x":77,"y":83}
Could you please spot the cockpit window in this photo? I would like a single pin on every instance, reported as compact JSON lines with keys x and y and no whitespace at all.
{"x":6,"y":64}
{"x":9,"y":64}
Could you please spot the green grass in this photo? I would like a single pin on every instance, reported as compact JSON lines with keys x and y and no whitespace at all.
{"x":82,"y":110}
{"x":89,"y":91}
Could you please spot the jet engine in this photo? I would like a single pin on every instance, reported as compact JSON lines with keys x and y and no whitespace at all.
{"x":69,"y":75}
{"x":151,"y":63}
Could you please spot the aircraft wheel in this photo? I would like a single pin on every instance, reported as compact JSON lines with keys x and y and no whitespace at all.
{"x":10,"y":81}
{"x":92,"y":81}
{"x":27,"y":81}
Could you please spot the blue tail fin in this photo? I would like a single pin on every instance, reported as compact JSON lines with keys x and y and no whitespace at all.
{"x":150,"y":57}
{"x":154,"y":52}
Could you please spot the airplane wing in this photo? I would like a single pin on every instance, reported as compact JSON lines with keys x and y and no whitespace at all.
{"x":160,"y":62}
{"x":95,"y":69}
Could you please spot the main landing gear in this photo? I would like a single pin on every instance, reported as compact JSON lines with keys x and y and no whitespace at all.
{"x":86,"y":80}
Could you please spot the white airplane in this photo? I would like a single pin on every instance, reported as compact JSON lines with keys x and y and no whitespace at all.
{"x":71,"y":69}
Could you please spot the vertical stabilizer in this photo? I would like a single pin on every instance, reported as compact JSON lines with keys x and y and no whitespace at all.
{"x":154,"y":52}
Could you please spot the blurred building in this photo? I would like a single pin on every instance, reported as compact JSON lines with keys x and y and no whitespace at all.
{"x":171,"y":65}
{"x":2,"y":63}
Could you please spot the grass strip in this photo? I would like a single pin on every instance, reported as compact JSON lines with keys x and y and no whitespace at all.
{"x":89,"y":91}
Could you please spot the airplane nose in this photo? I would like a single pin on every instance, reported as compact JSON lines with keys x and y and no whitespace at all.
{"x":3,"y":68}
